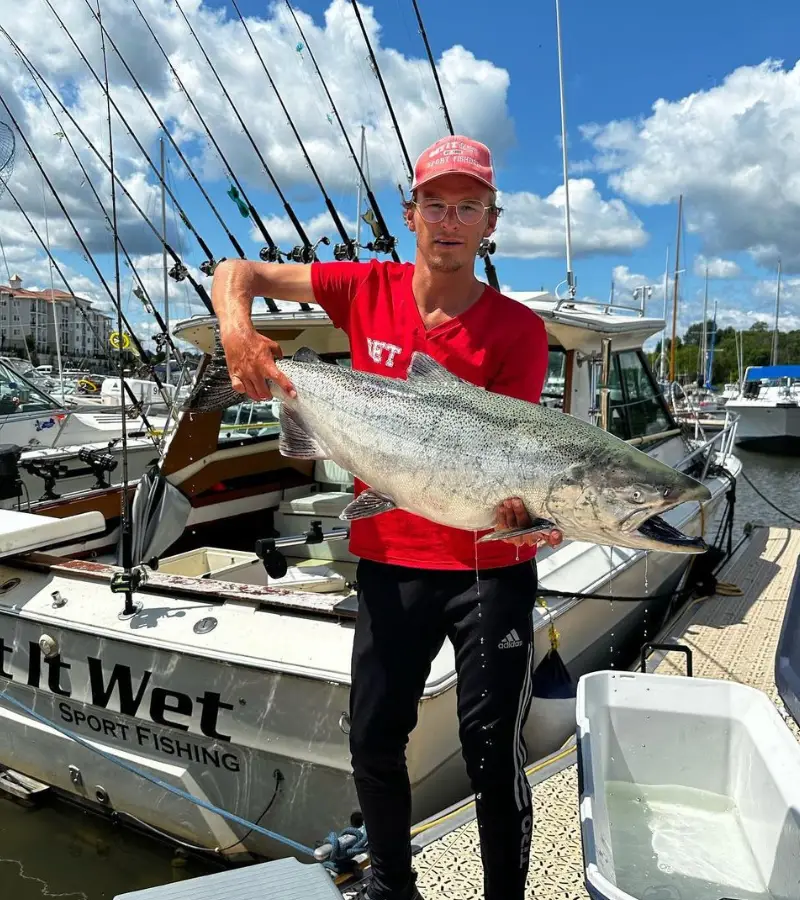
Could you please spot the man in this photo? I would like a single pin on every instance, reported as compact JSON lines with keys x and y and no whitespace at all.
{"x":417,"y":581}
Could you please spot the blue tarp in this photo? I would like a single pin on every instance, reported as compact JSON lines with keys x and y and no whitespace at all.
{"x":756,"y":373}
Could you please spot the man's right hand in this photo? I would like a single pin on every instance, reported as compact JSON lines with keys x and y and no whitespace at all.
{"x":251,"y":356}
{"x":251,"y":360}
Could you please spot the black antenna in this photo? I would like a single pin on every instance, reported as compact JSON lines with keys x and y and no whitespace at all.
{"x":270,"y":253}
{"x":209,"y":263}
{"x":345,"y":250}
{"x":137,"y":344}
{"x":378,"y":75}
{"x":384,"y":242}
{"x":302,"y":254}
{"x":125,"y":583}
{"x":433,"y":69}
{"x":179,"y":271}
{"x":207,"y":270}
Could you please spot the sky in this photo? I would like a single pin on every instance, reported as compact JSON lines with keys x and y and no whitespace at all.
{"x":699,"y":100}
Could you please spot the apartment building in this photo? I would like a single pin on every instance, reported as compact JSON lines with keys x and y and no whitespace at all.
{"x":26,"y":313}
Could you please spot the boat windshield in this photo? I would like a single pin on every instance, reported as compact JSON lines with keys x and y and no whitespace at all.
{"x":18,"y":395}
{"x":636,"y":408}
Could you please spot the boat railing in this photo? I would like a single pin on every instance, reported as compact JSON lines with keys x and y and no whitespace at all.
{"x":725,"y":437}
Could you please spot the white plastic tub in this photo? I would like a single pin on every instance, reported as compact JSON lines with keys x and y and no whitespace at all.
{"x":689,"y":790}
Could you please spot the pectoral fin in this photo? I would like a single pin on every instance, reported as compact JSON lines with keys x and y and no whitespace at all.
{"x":502,"y":535}
{"x":369,"y":503}
{"x":295,"y":442}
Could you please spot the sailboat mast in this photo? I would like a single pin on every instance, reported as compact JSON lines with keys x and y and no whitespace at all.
{"x":675,"y":293}
{"x":360,"y":194}
{"x":774,"y":360}
{"x":662,"y":360}
{"x":570,"y":275}
{"x":704,"y":336}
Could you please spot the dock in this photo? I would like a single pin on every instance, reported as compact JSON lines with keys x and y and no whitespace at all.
{"x":731,"y":637}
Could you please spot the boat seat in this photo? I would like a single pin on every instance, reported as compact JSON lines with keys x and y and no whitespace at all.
{"x":22,"y":532}
{"x":331,"y":476}
{"x":322,"y":503}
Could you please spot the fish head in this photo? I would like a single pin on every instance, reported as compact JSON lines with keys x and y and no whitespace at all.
{"x":619,"y":498}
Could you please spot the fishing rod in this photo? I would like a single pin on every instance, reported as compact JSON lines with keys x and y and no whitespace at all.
{"x":207,"y":266}
{"x":179,"y":271}
{"x":424,"y":34}
{"x":140,"y":291}
{"x":135,"y":401}
{"x":137,"y":344}
{"x":487,"y":246}
{"x":163,"y":127}
{"x":270,"y":253}
{"x":347,"y":249}
{"x":122,"y":582}
{"x":302,"y":254}
{"x":384,"y":241}
{"x":389,"y":106}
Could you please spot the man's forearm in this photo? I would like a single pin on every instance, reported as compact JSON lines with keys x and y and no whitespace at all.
{"x":236,"y":282}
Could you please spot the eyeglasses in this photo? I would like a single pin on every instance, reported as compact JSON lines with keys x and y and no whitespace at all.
{"x":469,"y":212}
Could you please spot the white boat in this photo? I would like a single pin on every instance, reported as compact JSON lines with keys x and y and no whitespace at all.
{"x":768,"y":408}
{"x":231,"y":682}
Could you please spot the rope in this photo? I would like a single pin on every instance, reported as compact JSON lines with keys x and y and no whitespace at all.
{"x":343,"y":853}
{"x":768,"y":501}
{"x":306,"y":851}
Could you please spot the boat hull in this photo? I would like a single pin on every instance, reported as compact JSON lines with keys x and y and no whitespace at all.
{"x":165,"y":692}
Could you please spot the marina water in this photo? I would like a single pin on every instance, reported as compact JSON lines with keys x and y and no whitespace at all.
{"x":58,"y":851}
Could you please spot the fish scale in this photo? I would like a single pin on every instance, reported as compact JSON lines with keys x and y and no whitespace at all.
{"x":449,"y":451}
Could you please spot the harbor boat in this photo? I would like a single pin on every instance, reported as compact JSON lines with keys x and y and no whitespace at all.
{"x":62,"y":449}
{"x":769,"y":410}
{"x":224,"y":672}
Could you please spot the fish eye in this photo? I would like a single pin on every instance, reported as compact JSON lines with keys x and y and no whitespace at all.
{"x":637,"y":497}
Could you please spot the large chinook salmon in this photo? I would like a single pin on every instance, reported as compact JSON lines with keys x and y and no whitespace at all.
{"x":442,"y":448}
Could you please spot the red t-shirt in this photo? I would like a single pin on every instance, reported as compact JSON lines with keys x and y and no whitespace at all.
{"x":497,"y":344}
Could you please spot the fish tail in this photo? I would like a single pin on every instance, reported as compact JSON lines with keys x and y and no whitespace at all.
{"x":213,"y":391}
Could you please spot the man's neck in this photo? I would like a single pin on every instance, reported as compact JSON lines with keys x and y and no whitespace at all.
{"x":441,"y":296}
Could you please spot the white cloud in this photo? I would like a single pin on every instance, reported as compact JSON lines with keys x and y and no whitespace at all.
{"x":533,"y":227}
{"x":732,"y":151}
{"x":476,"y":90}
{"x":285,"y":235}
{"x":717,"y":267}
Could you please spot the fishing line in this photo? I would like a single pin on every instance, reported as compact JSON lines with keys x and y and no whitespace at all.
{"x":209,"y":262}
{"x":183,"y":159}
{"x":270,"y":253}
{"x":148,"y":304}
{"x":384,"y":242}
{"x":179,"y":271}
{"x":307,"y":252}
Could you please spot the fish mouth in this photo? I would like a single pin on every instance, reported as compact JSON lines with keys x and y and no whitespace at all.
{"x":659,"y":530}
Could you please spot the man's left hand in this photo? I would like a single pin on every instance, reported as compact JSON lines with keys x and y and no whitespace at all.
{"x":512,"y":515}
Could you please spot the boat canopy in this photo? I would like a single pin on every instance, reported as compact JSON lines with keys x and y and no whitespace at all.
{"x":757,"y":373}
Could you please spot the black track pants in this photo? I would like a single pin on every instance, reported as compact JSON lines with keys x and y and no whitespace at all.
{"x":404,"y":616}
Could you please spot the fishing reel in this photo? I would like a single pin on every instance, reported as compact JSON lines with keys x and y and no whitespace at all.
{"x":269,"y":254}
{"x":178,"y":272}
{"x":486,"y":247}
{"x":383,"y":244}
{"x":345,"y":251}
{"x":208,"y":266}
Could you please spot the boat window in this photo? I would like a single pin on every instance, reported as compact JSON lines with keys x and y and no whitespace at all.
{"x":17,"y":395}
{"x":636,"y":406}
{"x":553,"y":390}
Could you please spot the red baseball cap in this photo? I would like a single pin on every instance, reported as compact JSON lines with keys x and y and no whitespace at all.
{"x":455,"y":155}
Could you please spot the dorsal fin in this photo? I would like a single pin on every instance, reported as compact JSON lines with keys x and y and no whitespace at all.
{"x":305,"y":355}
{"x":424,"y":366}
